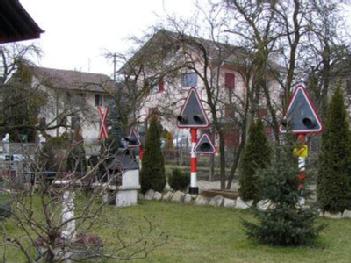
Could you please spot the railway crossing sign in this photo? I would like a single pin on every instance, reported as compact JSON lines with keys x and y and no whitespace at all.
{"x":301,"y":116}
{"x":103,"y":134}
{"x":193,"y":114}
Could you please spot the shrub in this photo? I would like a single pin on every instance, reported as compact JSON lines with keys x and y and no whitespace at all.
{"x":285,"y":223}
{"x":178,"y":180}
{"x":153,"y":174}
{"x":333,"y":184}
{"x":257,"y":155}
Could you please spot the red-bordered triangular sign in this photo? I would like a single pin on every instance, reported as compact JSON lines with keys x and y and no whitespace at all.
{"x":192,"y":114}
{"x":133,"y":139}
{"x":204,"y":145}
{"x":301,"y":116}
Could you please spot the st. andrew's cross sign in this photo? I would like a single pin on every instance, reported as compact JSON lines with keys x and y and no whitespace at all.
{"x":103,"y":134}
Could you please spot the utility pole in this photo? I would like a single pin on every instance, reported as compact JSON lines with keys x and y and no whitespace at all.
{"x":114,"y":66}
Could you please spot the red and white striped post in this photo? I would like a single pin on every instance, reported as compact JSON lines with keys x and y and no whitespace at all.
{"x":193,"y":189}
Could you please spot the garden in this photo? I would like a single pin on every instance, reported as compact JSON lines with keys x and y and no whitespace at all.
{"x":207,"y":234}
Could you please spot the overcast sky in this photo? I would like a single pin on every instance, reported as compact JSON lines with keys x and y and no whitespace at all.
{"x":78,"y":32}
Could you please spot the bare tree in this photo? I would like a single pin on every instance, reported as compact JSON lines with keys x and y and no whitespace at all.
{"x":57,"y":217}
{"x":28,"y":96}
{"x":142,"y":72}
{"x":328,"y":49}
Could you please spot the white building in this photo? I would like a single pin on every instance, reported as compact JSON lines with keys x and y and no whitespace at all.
{"x":167,"y":95}
{"x":72,"y":98}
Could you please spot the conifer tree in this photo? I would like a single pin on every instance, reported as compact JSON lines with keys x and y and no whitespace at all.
{"x":115,"y":134}
{"x":153,"y":174}
{"x":333,"y":184}
{"x":284,"y":222}
{"x":257,"y":155}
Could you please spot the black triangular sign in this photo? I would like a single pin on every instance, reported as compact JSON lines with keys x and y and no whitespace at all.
{"x":301,"y":116}
{"x":192,"y":114}
{"x":133,"y":139}
{"x":204,"y":145}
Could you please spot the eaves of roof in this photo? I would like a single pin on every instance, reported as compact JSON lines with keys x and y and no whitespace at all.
{"x":15,"y":23}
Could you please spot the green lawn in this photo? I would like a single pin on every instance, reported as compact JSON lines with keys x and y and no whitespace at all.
{"x":207,"y":234}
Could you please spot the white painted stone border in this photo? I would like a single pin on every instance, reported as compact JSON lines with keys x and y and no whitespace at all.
{"x":220,"y":201}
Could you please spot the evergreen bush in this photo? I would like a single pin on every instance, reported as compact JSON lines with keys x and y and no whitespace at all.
{"x":153,"y":174}
{"x":178,"y":180}
{"x":257,"y":155}
{"x":285,"y":223}
{"x":333,"y":184}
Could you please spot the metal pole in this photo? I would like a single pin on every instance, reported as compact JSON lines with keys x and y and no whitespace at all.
{"x":114,"y":67}
{"x":193,"y":189}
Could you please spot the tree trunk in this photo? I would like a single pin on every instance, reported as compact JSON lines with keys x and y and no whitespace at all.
{"x":222,"y":158}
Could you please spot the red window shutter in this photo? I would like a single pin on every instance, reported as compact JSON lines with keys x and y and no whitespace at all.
{"x":231,"y":138}
{"x":262,"y":113}
{"x":229,"y":80}
{"x":161,"y":85}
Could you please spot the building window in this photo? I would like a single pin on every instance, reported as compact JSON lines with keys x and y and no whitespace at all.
{"x":98,"y":100}
{"x":229,"y":111}
{"x":229,"y":81}
{"x":63,"y":121}
{"x":189,"y":79}
{"x":232,"y":138}
{"x":75,"y":123}
{"x":262,"y":113}
{"x":42,"y":123}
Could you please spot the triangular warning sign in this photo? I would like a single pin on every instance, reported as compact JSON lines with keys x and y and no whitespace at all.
{"x":133,"y":139}
{"x":193,"y":114}
{"x":204,"y":145}
{"x":301,"y":116}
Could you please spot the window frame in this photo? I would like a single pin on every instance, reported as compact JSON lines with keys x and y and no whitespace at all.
{"x":98,"y":102}
{"x":185,"y":81}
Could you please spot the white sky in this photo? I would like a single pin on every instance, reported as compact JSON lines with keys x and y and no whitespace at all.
{"x":78,"y":32}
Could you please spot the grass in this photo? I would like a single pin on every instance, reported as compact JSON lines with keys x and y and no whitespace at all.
{"x":207,"y":234}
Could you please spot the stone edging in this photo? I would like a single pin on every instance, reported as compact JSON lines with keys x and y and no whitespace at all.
{"x":219,"y":201}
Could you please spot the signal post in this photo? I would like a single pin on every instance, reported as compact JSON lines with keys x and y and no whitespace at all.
{"x":301,"y":118}
{"x":193,"y":117}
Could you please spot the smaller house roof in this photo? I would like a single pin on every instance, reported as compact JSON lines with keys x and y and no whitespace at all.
{"x":73,"y":80}
{"x":15,"y":23}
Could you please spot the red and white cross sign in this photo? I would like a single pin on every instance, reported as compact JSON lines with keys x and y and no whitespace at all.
{"x":103,"y":123}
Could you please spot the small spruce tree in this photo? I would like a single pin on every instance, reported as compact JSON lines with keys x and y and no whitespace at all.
{"x":153,"y":174}
{"x":284,"y":223}
{"x":333,"y":184}
{"x":257,"y":155}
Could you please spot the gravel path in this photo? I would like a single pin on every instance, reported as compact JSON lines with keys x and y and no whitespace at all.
{"x":204,"y":185}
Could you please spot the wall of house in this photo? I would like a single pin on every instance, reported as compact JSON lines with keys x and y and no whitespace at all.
{"x":171,"y":98}
{"x":81,"y":102}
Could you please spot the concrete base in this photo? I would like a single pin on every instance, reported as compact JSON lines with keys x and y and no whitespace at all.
{"x":127,"y":194}
{"x":126,"y":197}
